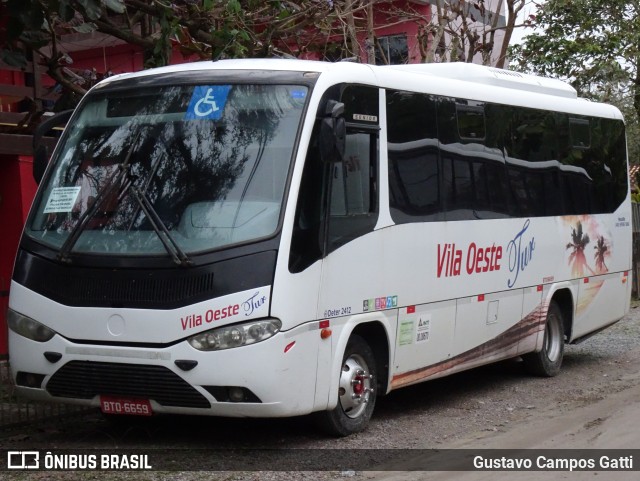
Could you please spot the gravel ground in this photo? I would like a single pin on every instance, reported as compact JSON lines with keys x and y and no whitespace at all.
{"x":444,"y":413}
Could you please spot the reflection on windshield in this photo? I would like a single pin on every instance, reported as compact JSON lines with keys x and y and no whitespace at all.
{"x":208,"y":162}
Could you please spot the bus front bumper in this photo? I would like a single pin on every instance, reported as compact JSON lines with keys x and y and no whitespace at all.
{"x":273,"y":378}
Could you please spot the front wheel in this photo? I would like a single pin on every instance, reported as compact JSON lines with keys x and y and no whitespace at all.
{"x":356,"y":391}
{"x":548,"y":361}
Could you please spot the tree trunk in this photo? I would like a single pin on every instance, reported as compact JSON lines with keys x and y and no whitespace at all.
{"x":513,"y":8}
{"x":371,"y":36}
{"x":437,"y":36}
{"x":352,"y":38}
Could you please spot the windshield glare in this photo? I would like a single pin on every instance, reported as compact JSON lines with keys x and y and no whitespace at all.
{"x":208,"y":164}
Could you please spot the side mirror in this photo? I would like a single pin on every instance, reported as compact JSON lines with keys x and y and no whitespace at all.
{"x":333,"y":133}
{"x":40,"y":151}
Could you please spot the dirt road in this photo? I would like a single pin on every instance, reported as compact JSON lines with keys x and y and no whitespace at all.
{"x":610,"y":423}
{"x":593,"y":403}
{"x":602,"y":413}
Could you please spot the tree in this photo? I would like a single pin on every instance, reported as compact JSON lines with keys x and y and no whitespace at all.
{"x":459,"y":30}
{"x":205,"y":28}
{"x":213,"y":29}
{"x":621,"y":98}
{"x":594,"y":44}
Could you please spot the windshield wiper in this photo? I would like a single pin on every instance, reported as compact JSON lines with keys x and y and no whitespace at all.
{"x":169,"y":243}
{"x":112,"y":184}
{"x":115,"y":182}
{"x":154,"y":170}
{"x":144,"y":204}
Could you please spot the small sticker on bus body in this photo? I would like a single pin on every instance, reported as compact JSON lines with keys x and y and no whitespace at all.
{"x":365,"y":118}
{"x":207,"y":102}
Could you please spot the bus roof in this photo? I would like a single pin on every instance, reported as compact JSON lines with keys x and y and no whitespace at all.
{"x":463,"y":80}
{"x":492,"y":76}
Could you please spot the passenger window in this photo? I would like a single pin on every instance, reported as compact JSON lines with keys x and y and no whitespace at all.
{"x":412,"y":146}
{"x":471,"y":124}
{"x":353,"y":209}
{"x":351,"y":190}
{"x":580,"y":135}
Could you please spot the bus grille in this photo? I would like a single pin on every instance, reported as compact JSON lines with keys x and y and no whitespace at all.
{"x":137,"y":289}
{"x":135,"y":286}
{"x":85,"y":379}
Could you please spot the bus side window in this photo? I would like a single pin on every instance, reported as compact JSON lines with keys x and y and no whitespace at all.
{"x":352,"y":186}
{"x":351,"y":189}
{"x":353,"y":204}
{"x":307,"y":238}
{"x":414,"y":167}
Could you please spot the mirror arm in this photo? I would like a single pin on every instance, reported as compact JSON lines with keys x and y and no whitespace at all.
{"x":332,"y":132}
{"x":334,"y":109}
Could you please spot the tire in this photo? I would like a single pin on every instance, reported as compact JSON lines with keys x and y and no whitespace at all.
{"x":356,"y":394}
{"x":548,"y":361}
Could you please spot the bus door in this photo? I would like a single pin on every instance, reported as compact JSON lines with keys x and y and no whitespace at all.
{"x":352,"y":272}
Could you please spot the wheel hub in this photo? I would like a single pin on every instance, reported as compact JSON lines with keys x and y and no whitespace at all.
{"x":552,"y":341}
{"x":355,"y":386}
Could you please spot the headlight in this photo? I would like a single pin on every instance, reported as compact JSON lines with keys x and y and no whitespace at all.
{"x":235,"y":336}
{"x":27,"y":327}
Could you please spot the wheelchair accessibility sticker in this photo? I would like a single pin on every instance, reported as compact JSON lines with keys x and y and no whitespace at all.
{"x":207,"y":102}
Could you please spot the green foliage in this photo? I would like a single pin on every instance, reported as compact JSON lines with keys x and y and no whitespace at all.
{"x":116,"y":6}
{"x":35,"y":24}
{"x":91,"y":8}
{"x":595,"y":45}
{"x":234,"y":7}
{"x":207,"y":28}
{"x":85,"y":27}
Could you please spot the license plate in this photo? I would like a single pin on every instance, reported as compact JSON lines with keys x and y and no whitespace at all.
{"x":131,"y":407}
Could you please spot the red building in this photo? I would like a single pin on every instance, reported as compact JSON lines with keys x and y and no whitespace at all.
{"x":17,"y":187}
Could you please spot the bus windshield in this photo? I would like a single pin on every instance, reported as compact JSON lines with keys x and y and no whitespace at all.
{"x":178,"y":169}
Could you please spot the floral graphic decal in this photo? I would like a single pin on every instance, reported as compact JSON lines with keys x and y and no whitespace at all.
{"x":602,"y":251}
{"x":582,"y":229}
{"x":577,"y":259}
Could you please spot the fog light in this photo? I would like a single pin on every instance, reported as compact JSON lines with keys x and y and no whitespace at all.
{"x":225,"y":394}
{"x":29,"y":379}
{"x":236,"y":395}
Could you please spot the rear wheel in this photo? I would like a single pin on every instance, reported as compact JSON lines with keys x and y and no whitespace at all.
{"x":356,"y":391}
{"x":548,"y":361}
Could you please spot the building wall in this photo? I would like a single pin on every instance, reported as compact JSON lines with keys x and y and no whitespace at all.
{"x":17,"y":189}
{"x":10,"y":103}
{"x":387,"y":22}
